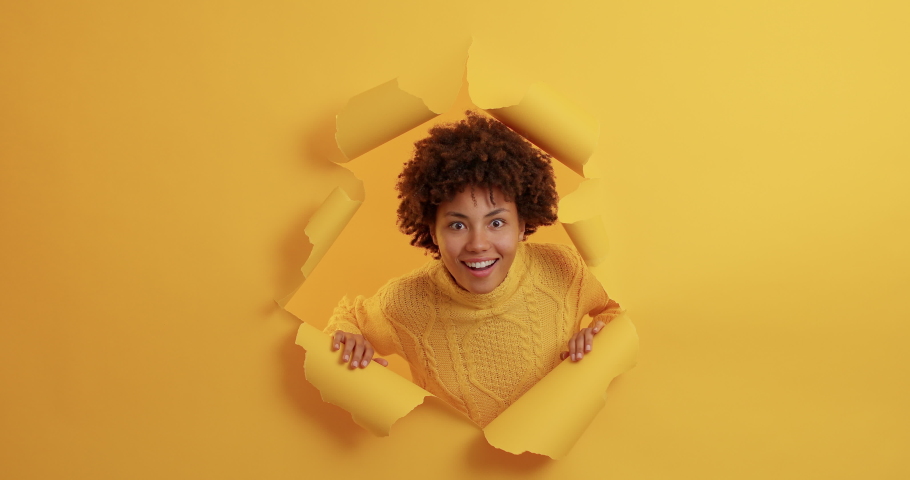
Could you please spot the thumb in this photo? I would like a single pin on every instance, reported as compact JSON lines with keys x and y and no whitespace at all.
{"x":381,"y":361}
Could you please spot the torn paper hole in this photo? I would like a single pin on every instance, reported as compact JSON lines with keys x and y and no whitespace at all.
{"x":572,"y":400}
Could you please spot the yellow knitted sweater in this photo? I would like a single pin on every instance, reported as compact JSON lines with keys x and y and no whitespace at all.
{"x":480,"y":352}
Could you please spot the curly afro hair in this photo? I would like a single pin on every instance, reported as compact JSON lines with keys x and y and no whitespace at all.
{"x":475,"y":152}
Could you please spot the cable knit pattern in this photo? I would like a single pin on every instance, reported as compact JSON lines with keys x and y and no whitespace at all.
{"x":480,"y":352}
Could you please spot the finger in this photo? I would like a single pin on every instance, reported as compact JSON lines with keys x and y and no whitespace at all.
{"x":337,"y":339}
{"x":367,"y":354}
{"x":348,"y":347}
{"x":599,"y":325}
{"x":563,"y":355}
{"x":589,"y":339}
{"x":381,"y":361}
{"x":580,"y":345}
{"x":358,"y":353}
{"x":572,"y":348}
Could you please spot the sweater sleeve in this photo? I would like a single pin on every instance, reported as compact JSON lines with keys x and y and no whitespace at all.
{"x":365,"y":316}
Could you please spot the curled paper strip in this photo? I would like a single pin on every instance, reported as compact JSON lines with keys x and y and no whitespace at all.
{"x":376,"y":397}
{"x":571,"y":394}
{"x":377,"y":116}
{"x":323,"y":229}
{"x":326,"y":224}
{"x":590,"y":238}
{"x":587,"y":232}
{"x":553,"y":123}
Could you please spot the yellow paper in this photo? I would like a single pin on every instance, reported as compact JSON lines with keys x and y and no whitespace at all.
{"x":327,"y":223}
{"x":388,"y":110}
{"x":579,"y":215}
{"x":494,"y":79}
{"x":375,"y":396}
{"x":377,"y":116}
{"x":590,"y":238}
{"x":554,"y":123}
{"x":437,"y":73}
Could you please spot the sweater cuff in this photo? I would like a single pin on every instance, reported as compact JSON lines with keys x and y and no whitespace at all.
{"x":612,"y":311}
{"x":343,"y":326}
{"x":343,"y":319}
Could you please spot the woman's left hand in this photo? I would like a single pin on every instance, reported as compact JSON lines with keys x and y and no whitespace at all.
{"x":582,"y":342}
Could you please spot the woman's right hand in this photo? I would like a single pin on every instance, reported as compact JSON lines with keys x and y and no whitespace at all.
{"x":357,"y":350}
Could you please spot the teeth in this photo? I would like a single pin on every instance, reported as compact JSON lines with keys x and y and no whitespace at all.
{"x":480,"y":264}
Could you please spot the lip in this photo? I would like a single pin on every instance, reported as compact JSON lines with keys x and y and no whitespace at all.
{"x":479,"y":259}
{"x":480,"y":273}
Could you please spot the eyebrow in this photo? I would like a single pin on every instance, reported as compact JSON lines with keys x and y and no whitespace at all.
{"x":491,"y":214}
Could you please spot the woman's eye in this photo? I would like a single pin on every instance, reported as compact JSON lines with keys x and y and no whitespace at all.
{"x":456,"y":226}
{"x":497,"y":223}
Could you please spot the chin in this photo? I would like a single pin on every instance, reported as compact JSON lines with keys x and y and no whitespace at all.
{"x":479,"y":289}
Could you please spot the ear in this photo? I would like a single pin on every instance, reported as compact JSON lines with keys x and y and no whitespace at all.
{"x":521,"y":226}
{"x":433,"y":234}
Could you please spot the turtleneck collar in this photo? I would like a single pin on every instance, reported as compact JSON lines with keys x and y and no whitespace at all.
{"x":443,"y":279}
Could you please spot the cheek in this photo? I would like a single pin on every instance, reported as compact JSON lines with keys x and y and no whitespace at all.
{"x":509,"y":242}
{"x":448,"y":247}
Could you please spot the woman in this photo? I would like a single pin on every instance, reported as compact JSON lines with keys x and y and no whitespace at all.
{"x":487,"y":319}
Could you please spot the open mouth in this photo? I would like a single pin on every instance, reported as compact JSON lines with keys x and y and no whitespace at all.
{"x":480,"y":266}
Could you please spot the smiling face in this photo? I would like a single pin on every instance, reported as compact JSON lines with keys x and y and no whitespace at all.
{"x":477,"y":238}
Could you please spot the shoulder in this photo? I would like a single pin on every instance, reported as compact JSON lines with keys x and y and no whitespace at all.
{"x":415,"y":281}
{"x":407,"y":294}
{"x":554,"y":256}
{"x":555,"y":265}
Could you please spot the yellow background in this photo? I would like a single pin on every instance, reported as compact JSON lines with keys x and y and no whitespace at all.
{"x":158,"y":164}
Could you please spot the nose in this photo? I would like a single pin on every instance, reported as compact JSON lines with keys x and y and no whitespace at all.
{"x":479,"y":241}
